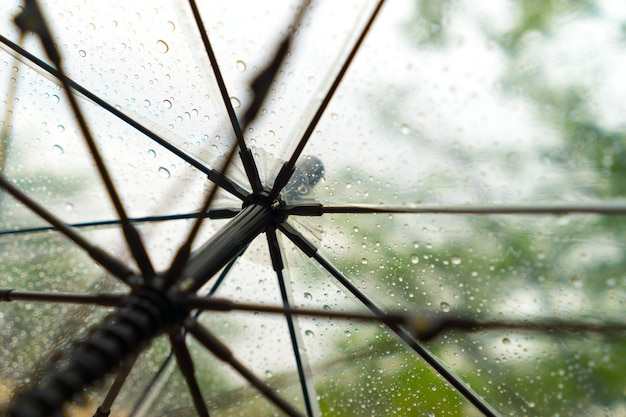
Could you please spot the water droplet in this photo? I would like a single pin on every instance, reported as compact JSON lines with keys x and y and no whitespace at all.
{"x":162,"y":46}
{"x":576,"y":281}
{"x":456,"y":260}
{"x":241,"y":66}
{"x":347,"y":333}
{"x":611,"y":282}
{"x":433,"y":388}
{"x":58,"y":149}
{"x":364,"y":261}
{"x":61,"y":128}
{"x":235,"y":102}
{"x":405,"y":129}
{"x":334,"y":116}
{"x":308,"y":296}
{"x":309,"y":333}
{"x":348,"y":185}
{"x":326,"y":307}
{"x":56,"y":98}
{"x":506,"y":341}
{"x":82,"y":53}
{"x":164,"y":172}
{"x":355,"y":229}
{"x":268,"y":374}
{"x":171,"y":26}
{"x":415,"y":259}
{"x":147,"y":103}
{"x":167,"y":104}
{"x":152,"y":153}
{"x":445,"y":307}
{"x":69,"y":206}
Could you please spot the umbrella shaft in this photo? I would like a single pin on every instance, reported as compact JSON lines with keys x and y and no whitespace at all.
{"x":224,"y":246}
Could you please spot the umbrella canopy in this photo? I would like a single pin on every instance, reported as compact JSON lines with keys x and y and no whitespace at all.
{"x":335,"y":209}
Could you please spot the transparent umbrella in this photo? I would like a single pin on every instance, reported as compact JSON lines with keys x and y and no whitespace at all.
{"x":354,"y":208}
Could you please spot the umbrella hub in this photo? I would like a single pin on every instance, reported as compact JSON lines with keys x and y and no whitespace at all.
{"x":265,"y":200}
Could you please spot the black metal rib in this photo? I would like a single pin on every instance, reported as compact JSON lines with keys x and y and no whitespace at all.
{"x":263,"y":82}
{"x":211,"y":214}
{"x":461,"y":386}
{"x":308,"y":390}
{"x":185,"y":364}
{"x":105,"y":408}
{"x":223,"y":353}
{"x":288,"y":168}
{"x":422,"y":325}
{"x":111,"y":264}
{"x":213,"y":175}
{"x":31,"y":20}
{"x":108,"y":300}
{"x":618,"y":208}
{"x":246,"y":156}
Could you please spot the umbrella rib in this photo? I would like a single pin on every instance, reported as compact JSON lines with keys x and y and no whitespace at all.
{"x":222,"y":352}
{"x":31,"y":19}
{"x":461,"y":386}
{"x":106,"y":300}
{"x":212,"y":174}
{"x":211,"y":214}
{"x":278,"y":266}
{"x":244,"y":152}
{"x":185,"y":364}
{"x":559,"y":209}
{"x":471,"y":324}
{"x":262,"y":83}
{"x":423,"y":326}
{"x":288,"y":168}
{"x":112,"y":264}
{"x":105,"y":408}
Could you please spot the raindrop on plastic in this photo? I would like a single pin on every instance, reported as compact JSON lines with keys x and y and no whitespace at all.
{"x":162,"y":46}
{"x":164,"y":172}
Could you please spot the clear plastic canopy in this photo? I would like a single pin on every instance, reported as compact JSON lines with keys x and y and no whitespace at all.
{"x":453,"y":231}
